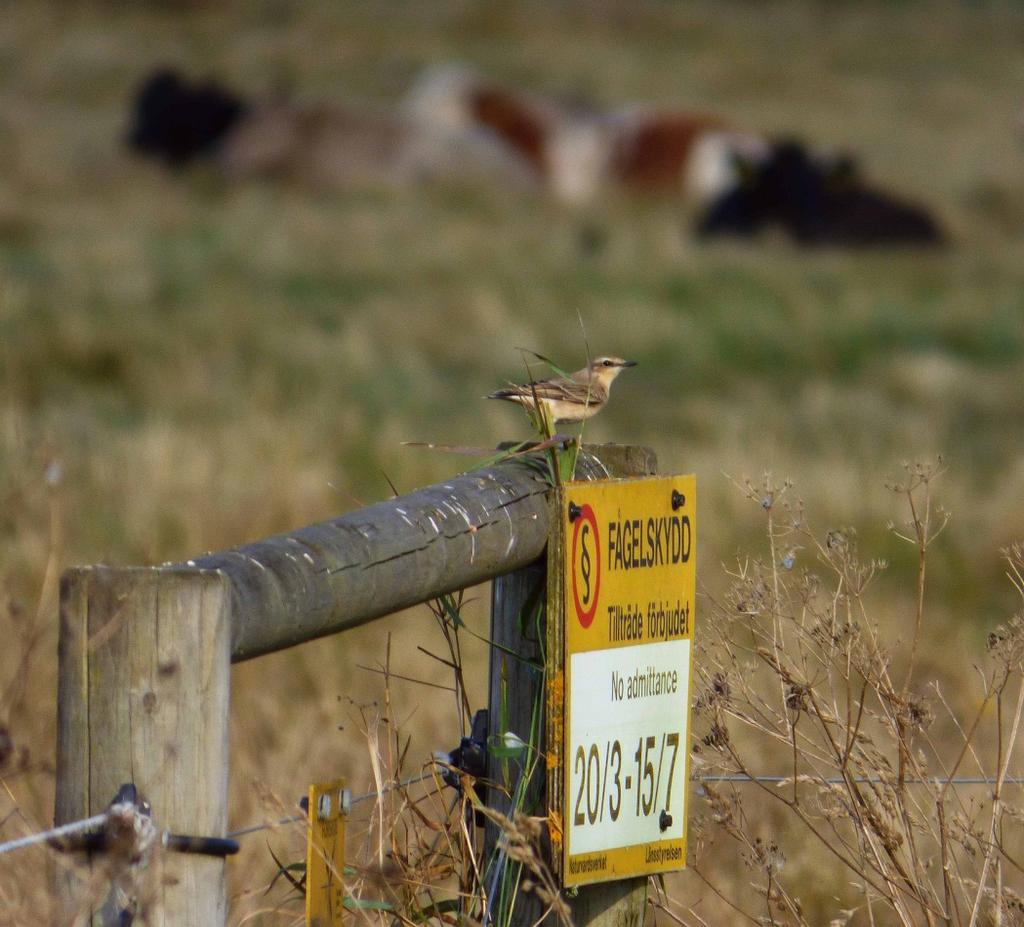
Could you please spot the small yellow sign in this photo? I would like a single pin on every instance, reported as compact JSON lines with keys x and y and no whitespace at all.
{"x":630,"y":582}
{"x":325,"y":854}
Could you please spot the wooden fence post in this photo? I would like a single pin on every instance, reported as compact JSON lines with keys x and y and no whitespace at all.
{"x":515,"y":688}
{"x":144,"y":662}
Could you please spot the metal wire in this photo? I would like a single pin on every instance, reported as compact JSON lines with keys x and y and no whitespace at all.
{"x":77,"y":827}
{"x":295,"y":818}
{"x":98,"y":820}
{"x":877,"y":780}
{"x":65,"y":830}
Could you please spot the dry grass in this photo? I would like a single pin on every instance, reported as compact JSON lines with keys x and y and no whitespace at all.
{"x":210,"y":365}
{"x":871,"y":743}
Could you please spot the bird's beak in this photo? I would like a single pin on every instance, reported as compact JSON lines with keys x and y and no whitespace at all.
{"x":628,"y":363}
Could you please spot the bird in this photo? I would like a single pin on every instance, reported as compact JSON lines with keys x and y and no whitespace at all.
{"x":569,"y":399}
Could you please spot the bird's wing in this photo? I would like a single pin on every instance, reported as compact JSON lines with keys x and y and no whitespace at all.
{"x":561,"y":389}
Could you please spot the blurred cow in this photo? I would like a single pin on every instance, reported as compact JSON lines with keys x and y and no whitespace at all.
{"x":817,"y":201}
{"x":562,"y":144}
{"x":177,"y":121}
{"x":327,"y":145}
{"x":578,"y":150}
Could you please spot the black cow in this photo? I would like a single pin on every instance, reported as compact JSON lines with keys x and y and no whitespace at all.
{"x":817,"y":203}
{"x":177,"y":121}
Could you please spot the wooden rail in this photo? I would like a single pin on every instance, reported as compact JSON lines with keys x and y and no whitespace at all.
{"x":145,"y":653}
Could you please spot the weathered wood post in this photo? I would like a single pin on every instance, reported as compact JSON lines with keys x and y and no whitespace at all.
{"x":143,"y":696}
{"x":517,"y":686}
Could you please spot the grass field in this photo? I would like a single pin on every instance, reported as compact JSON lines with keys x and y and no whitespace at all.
{"x":187,"y":365}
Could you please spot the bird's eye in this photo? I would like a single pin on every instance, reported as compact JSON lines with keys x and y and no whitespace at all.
{"x":609,"y":363}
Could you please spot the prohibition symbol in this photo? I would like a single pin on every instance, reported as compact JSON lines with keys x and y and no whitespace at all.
{"x":586,"y":565}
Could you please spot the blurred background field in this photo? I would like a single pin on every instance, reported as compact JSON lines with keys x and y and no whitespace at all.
{"x":187,"y":364}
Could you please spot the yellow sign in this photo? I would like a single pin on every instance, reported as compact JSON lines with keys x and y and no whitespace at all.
{"x":629,"y":584}
{"x":325,"y":854}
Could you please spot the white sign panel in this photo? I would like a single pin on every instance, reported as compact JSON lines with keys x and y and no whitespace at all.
{"x":627,"y":763}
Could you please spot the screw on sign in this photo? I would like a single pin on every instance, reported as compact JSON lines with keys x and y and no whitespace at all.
{"x":586,"y":560}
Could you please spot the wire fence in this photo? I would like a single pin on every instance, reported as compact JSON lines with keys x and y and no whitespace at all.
{"x":295,"y":818}
{"x":126,"y":829}
{"x":55,"y":833}
{"x":97,"y":821}
{"x":862,"y":780}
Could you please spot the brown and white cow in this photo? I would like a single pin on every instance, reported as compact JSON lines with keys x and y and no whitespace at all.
{"x":578,"y":150}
